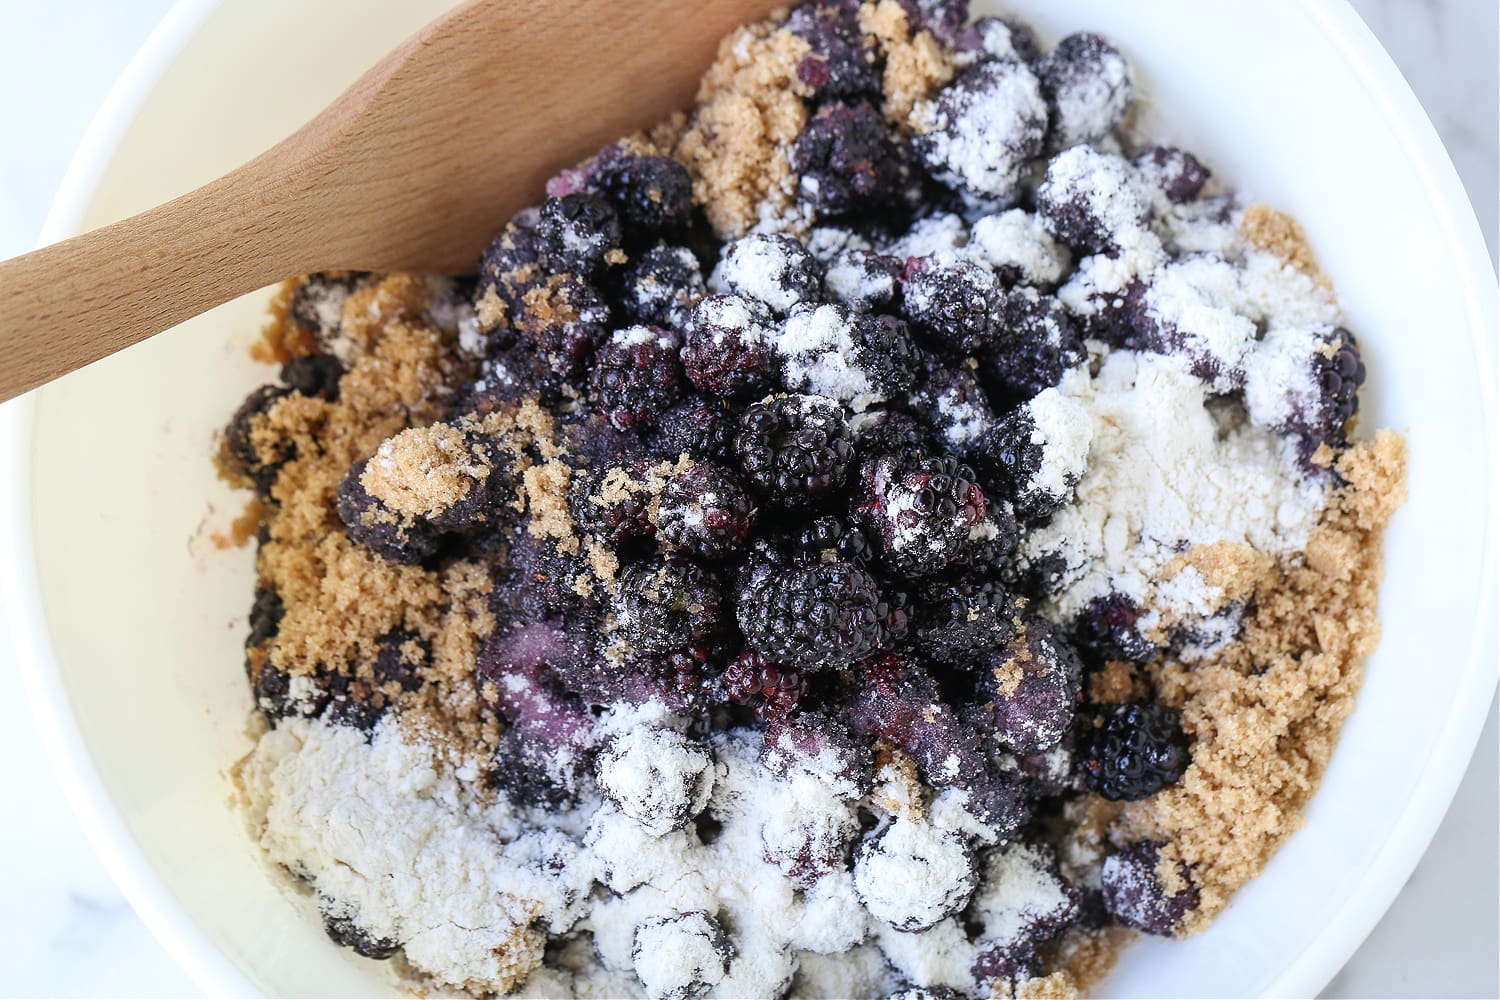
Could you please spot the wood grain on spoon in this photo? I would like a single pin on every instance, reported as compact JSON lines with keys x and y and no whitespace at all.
{"x":411,"y":169}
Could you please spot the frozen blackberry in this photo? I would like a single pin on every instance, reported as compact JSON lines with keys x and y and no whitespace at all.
{"x":546,"y":750}
{"x":849,"y":355}
{"x":255,"y":459}
{"x":314,"y":375}
{"x":920,"y":510}
{"x":400,"y":658}
{"x":1030,"y":690}
{"x":1306,"y":382}
{"x":888,"y":432}
{"x":952,"y":305}
{"x":1090,"y":201}
{"x":864,"y":278}
{"x":637,"y":375}
{"x":944,"y":18}
{"x":652,"y":193}
{"x":959,"y":622}
{"x":615,"y":503}
{"x":706,"y":511}
{"x":912,"y":875}
{"x":1019,"y":249}
{"x":1037,"y":454}
{"x":841,"y":61}
{"x":1001,"y":38}
{"x":390,"y":535}
{"x":729,"y":347}
{"x":661,"y":286}
{"x":681,"y":955}
{"x":1136,"y":896}
{"x":829,"y":537}
{"x":511,"y":264}
{"x":955,"y":408}
{"x":1036,"y":344}
{"x":794,"y":450}
{"x":665,"y":605}
{"x":983,"y":128}
{"x":701,"y":427}
{"x":564,"y":318}
{"x":811,"y":840}
{"x":658,"y":777}
{"x":773,"y":269}
{"x":847,"y":160}
{"x":266,"y":612}
{"x":772,"y":690}
{"x":1089,"y":86}
{"x":681,"y":679}
{"x":821,"y":745}
{"x":1023,"y":903}
{"x":344,"y":930}
{"x":509,"y":376}
{"x":578,"y":231}
{"x":1107,"y":629}
{"x":1176,"y":173}
{"x":815,"y":616}
{"x":1132,"y":751}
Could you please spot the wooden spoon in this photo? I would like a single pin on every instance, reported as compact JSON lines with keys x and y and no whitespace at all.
{"x":413,"y":168}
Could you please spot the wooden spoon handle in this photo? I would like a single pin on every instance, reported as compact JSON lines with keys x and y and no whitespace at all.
{"x":74,"y":302}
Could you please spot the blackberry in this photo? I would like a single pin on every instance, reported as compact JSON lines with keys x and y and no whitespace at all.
{"x":1030,"y":689}
{"x":864,"y":278}
{"x":773,"y":269}
{"x":847,"y":160}
{"x":1013,"y":926}
{"x":616,"y":502}
{"x":700,"y":954}
{"x":1106,"y":630}
{"x":944,"y":18}
{"x":255,"y":463}
{"x":984,"y":128}
{"x":400,"y":658}
{"x":660,"y":286}
{"x":921,"y":510}
{"x":565,"y":318}
{"x":818,"y":616}
{"x":729,"y":347}
{"x":772,"y":690}
{"x":397,"y":538}
{"x":957,"y":622}
{"x":512,"y":263}
{"x":706,"y":511}
{"x":701,"y":427}
{"x":1089,"y":200}
{"x":1037,"y":343}
{"x":1308,"y":385}
{"x":819,"y":744}
{"x":665,"y":605}
{"x":1089,"y":86}
{"x":912,"y":875}
{"x":1019,"y":249}
{"x":953,"y":305}
{"x":849,"y":355}
{"x":1339,"y":372}
{"x":1132,"y":751}
{"x":828,"y":536}
{"x":885,"y":432}
{"x":811,"y":841}
{"x":658,"y":777}
{"x":345,"y":931}
{"x":680,"y":679}
{"x":266,"y":612}
{"x":578,"y":231}
{"x":314,"y":375}
{"x":1134,"y":894}
{"x":1002,"y":38}
{"x":509,"y":376}
{"x":794,"y":450}
{"x":955,"y":407}
{"x":1037,"y":455}
{"x":636,"y":375}
{"x":842,"y":62}
{"x":1176,"y":173}
{"x":651,"y":193}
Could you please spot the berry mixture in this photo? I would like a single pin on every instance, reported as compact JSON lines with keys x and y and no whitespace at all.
{"x":893,"y":532}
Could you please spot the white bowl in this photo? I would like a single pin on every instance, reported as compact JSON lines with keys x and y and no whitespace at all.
{"x":129,"y":632}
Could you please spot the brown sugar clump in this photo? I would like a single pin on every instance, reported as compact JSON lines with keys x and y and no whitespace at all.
{"x":1265,"y":712}
{"x":916,"y":65}
{"x":1278,"y":233}
{"x":749,"y":112}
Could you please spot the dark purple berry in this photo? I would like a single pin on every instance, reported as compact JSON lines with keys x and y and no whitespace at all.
{"x":253,"y":457}
{"x":564,"y":318}
{"x":1030,"y":690}
{"x":652,"y":193}
{"x":985,"y":127}
{"x":577,"y":232}
{"x":400,"y":658}
{"x":1132,"y":751}
{"x":390,"y":535}
{"x":773,"y":269}
{"x":1090,"y":201}
{"x":266,"y":613}
{"x":772,"y":690}
{"x":864,"y":278}
{"x":661,"y":286}
{"x":952,"y":305}
{"x":817,"y":616}
{"x":1134,"y":893}
{"x":701,"y":427}
{"x":1037,"y":342}
{"x":615,"y":503}
{"x":842,"y":62}
{"x":1089,"y":86}
{"x":701,"y":948}
{"x":820,"y":744}
{"x":1175,"y":172}
{"x":855,"y":357}
{"x":706,"y":511}
{"x":637,"y":375}
{"x":794,"y":450}
{"x":344,"y":930}
{"x":318,"y":301}
{"x":961,"y":622}
{"x":729,"y":347}
{"x":658,"y":777}
{"x":913,"y":875}
{"x":665,"y":605}
{"x":920,"y":511}
{"x":847,"y":160}
{"x":314,"y":375}
{"x":1106,"y":629}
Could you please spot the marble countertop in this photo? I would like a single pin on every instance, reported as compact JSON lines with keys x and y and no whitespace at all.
{"x":67,"y":931}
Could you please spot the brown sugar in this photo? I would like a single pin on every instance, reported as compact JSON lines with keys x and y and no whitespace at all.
{"x":916,"y":65}
{"x":1278,"y":233}
{"x":1264,"y":713}
{"x":749,"y":112}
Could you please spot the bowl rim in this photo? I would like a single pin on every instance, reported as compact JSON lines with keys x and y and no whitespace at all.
{"x":212,"y":970}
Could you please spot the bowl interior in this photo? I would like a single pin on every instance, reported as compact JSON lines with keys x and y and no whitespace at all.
{"x":145,"y":616}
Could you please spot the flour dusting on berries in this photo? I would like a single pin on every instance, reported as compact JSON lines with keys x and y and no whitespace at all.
{"x":893,"y":530}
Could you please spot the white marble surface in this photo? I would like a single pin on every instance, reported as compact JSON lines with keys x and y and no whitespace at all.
{"x":67,"y":931}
